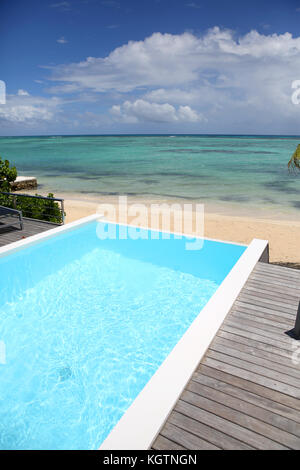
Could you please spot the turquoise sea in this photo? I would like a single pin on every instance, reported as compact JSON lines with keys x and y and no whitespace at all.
{"x":246,"y":173}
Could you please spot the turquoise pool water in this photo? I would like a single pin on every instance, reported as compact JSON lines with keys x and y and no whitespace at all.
{"x":86,"y":322}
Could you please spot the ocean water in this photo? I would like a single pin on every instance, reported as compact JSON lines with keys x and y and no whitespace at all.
{"x":227,"y":171}
{"x":84,"y":333}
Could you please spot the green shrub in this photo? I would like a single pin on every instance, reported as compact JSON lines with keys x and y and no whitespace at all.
{"x":7,"y":175}
{"x":33,"y":208}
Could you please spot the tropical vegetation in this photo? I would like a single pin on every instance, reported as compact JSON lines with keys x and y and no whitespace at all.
{"x":294,"y":162}
{"x":31,"y":207}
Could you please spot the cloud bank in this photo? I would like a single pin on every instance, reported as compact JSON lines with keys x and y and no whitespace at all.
{"x":212,"y":83}
{"x":141,"y":110}
{"x":25,"y":110}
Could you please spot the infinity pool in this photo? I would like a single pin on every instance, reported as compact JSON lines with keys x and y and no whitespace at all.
{"x":86,"y":322}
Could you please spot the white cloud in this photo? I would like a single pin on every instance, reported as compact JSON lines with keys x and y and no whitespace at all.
{"x":187,"y":114}
{"x":151,"y":62}
{"x":240,"y":84}
{"x":64,"y":6}
{"x":173,"y":95}
{"x":164,"y":60}
{"x":143,"y":111}
{"x":22,"y":113}
{"x":193,"y":5}
{"x":23,"y":93}
{"x":62,"y":40}
{"x":23,"y":108}
{"x":229,"y":79}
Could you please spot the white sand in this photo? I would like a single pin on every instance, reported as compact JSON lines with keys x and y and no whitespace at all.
{"x":283,"y":235}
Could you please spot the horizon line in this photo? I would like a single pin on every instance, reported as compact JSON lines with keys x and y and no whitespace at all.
{"x":170,"y":134}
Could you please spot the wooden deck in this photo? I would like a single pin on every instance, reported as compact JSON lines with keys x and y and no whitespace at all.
{"x":31,"y":227}
{"x":245,"y":393}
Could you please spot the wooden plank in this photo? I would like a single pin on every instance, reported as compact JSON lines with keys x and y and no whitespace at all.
{"x":281,"y":379}
{"x":286,"y":321}
{"x":262,"y":309}
{"x":252,"y":325}
{"x":162,"y":443}
{"x":247,"y":374}
{"x":281,"y":342}
{"x":227,"y":426}
{"x":212,"y":435}
{"x":270,"y":299}
{"x":277,"y":296}
{"x":269,"y":280}
{"x":236,"y":380}
{"x":278,"y":428}
{"x":243,"y":419}
{"x":275,"y":269}
{"x":266,"y":303}
{"x":31,"y":227}
{"x":288,"y":269}
{"x":186,"y":439}
{"x":277,"y":361}
{"x":292,"y":416}
{"x":291,"y":274}
{"x":275,"y":266}
{"x":270,"y":288}
{"x":248,"y":354}
{"x":291,"y":297}
{"x":293,"y":291}
{"x":287,"y":280}
{"x":256,"y":341}
{"x":265,"y":322}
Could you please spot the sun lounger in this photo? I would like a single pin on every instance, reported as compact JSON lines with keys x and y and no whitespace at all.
{"x":10,"y":218}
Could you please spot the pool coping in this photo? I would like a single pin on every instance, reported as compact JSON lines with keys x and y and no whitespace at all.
{"x":33,"y":239}
{"x":140,"y":424}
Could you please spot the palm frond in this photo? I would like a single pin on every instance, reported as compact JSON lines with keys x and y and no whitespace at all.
{"x":294,"y":162}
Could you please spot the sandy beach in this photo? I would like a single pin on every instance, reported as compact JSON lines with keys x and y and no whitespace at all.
{"x":283,"y":235}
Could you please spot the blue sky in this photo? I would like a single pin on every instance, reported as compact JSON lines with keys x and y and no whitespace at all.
{"x":157,"y":66}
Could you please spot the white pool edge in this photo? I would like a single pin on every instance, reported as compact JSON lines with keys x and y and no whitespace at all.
{"x":180,"y":234}
{"x":33,"y":239}
{"x":142,"y":422}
